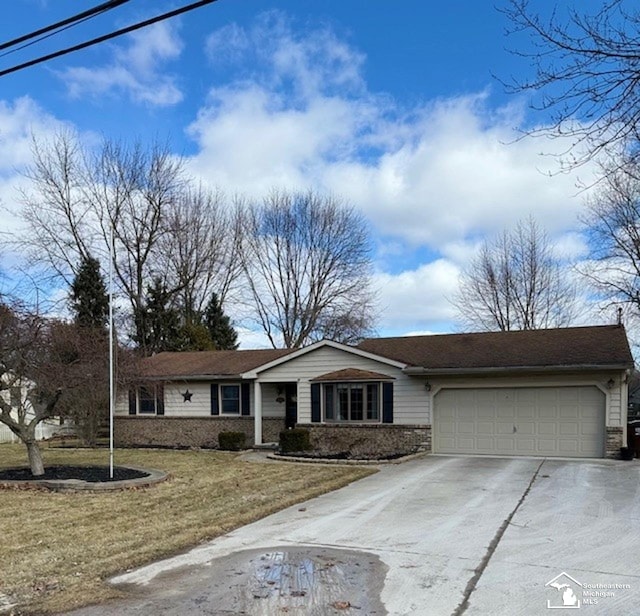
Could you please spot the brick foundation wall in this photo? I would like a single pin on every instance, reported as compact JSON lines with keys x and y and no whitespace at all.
{"x":613,"y":442}
{"x":189,"y":431}
{"x":369,"y":441}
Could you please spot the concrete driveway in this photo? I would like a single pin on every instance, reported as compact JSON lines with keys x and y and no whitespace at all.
{"x":435,"y":536}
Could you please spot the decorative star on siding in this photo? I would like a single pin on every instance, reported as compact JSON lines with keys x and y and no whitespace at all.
{"x":187,"y":396}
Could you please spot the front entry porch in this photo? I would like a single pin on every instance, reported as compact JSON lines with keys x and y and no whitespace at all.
{"x":270,"y":400}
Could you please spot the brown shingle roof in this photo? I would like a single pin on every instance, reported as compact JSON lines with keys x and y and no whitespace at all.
{"x":353,"y":374}
{"x":572,"y":346}
{"x":207,"y":363}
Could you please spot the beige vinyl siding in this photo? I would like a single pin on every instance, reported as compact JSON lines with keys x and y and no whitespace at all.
{"x":175,"y":406}
{"x":410,"y":396}
{"x":270,"y":408}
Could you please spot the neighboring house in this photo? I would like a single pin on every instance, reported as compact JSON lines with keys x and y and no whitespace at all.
{"x":634,"y":396}
{"x":16,"y":395}
{"x":557,"y":392}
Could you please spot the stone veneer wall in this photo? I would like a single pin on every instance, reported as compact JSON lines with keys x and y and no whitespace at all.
{"x":134,"y":431}
{"x":614,"y":442}
{"x":369,"y":441}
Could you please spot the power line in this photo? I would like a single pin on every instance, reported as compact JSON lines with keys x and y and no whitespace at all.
{"x":106,"y":37}
{"x":69,"y":21}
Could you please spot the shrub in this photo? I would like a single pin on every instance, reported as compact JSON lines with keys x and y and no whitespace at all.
{"x":231,"y":441}
{"x":294,"y":440}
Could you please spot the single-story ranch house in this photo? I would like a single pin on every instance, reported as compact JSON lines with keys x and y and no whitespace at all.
{"x":554,"y":392}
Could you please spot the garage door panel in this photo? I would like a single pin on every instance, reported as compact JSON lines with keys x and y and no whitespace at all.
{"x":550,"y":421}
{"x":503,"y":427}
{"x":569,"y":412}
{"x":486,"y":427}
{"x":505,"y":445}
{"x":485,"y":444}
{"x":486,"y":413}
{"x":569,"y":447}
{"x":526,"y":446}
{"x":569,"y":429}
{"x":547,"y":411}
{"x":546,"y":428}
{"x":525,"y":428}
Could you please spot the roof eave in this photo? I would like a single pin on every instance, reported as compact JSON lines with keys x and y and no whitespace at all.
{"x":421,"y":371}
{"x":192,"y":377}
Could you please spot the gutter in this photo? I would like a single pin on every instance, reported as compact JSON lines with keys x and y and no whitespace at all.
{"x":421,"y":371}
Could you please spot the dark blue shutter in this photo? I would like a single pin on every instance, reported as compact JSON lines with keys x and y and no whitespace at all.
{"x":160,"y":399}
{"x":387,"y":403}
{"x":315,"y":402}
{"x":328,"y":403}
{"x":132,"y":401}
{"x":245,"y":398}
{"x":215,"y":408}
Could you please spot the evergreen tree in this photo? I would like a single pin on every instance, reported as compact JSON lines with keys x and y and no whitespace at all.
{"x":88,"y":297}
{"x":158,"y":322}
{"x":223,"y":335}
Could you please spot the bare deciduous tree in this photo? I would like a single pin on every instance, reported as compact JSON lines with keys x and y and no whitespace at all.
{"x":200,"y":249}
{"x":516,"y":283}
{"x":22,"y":340}
{"x":53,"y":369}
{"x":307,"y":263}
{"x":587,"y":72}
{"x":162,"y":225}
{"x":612,"y":223}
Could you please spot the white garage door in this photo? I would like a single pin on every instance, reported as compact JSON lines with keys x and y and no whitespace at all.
{"x":538,"y":421}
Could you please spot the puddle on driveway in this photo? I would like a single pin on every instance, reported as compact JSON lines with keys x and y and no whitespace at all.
{"x":303,"y":581}
{"x":281,"y":581}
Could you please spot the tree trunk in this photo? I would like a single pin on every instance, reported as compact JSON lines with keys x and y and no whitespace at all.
{"x":35,"y":458}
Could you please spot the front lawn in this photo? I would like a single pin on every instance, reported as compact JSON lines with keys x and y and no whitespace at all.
{"x":57,"y":549}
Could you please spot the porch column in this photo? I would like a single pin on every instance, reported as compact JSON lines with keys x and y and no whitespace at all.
{"x":257,"y":412}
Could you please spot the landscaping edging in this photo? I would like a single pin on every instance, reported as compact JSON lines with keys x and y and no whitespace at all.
{"x":347,"y":461}
{"x":75,"y":485}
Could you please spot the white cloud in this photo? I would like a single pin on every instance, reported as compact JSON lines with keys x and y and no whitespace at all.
{"x":418,"y":297}
{"x":435,"y":179}
{"x":19,"y":121}
{"x":136,"y":69}
{"x":440,"y":175}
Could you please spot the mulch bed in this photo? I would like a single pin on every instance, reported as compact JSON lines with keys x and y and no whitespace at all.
{"x":92,"y":474}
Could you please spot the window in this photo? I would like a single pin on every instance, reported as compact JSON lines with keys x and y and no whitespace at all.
{"x":352,"y":402}
{"x":230,"y":399}
{"x":147,"y":400}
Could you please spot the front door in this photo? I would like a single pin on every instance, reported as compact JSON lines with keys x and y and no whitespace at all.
{"x":291,"y":405}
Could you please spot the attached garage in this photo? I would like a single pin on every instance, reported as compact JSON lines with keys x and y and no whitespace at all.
{"x":533,"y":421}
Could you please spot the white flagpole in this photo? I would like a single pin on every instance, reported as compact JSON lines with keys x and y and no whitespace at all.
{"x":111,"y":392}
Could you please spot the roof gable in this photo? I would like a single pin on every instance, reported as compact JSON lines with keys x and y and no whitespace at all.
{"x":292,"y":355}
{"x":565,"y":347}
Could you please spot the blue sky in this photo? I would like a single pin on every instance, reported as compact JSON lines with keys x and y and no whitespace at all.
{"x":393,"y":106}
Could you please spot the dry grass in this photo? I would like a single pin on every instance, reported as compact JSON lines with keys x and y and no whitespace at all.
{"x":57,"y":549}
